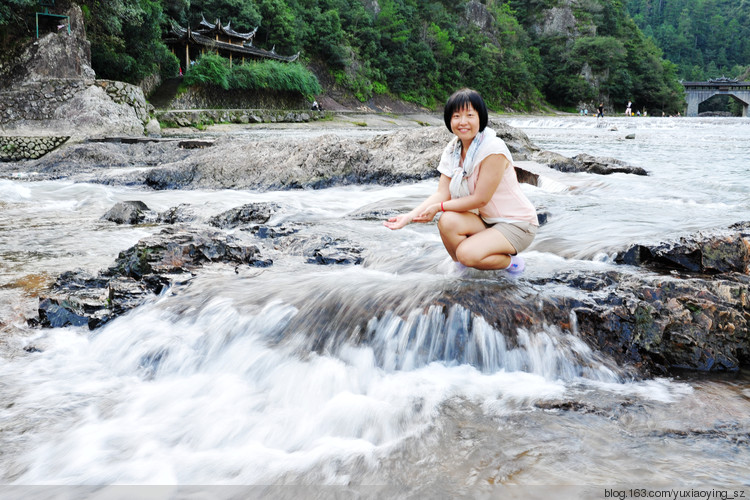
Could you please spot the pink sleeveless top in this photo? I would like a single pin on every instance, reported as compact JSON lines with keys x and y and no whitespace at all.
{"x":508,"y":204}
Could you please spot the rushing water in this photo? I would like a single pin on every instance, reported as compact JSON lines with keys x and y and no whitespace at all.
{"x":263,"y":376}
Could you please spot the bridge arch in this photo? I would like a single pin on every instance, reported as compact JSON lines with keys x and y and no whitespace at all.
{"x":698,"y":92}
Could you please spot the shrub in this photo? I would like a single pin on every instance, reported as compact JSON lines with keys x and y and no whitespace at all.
{"x":209,"y":69}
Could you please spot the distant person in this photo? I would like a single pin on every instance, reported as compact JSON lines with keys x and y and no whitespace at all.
{"x":315,"y":106}
{"x":586,"y":111}
{"x":628,"y":110}
{"x":600,"y":108}
{"x":485,"y":217}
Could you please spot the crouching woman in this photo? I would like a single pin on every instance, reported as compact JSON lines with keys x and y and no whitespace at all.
{"x":486,"y":219}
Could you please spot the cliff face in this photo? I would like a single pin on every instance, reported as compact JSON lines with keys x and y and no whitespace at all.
{"x":50,"y":89}
{"x":53,"y":56}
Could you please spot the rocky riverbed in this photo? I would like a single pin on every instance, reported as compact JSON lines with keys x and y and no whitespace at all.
{"x":681,"y":304}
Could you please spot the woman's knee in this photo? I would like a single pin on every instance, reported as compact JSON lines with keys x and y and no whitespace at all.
{"x":450,"y":222}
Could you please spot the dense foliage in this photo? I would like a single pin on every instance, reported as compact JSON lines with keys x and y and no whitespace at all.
{"x":703,"y":38}
{"x":211,"y":69}
{"x":513,"y":51}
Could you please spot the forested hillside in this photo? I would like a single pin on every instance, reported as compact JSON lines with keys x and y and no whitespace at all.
{"x":520,"y":54}
{"x":704,"y":38}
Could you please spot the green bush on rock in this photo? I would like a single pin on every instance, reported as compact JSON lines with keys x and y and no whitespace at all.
{"x":211,"y":69}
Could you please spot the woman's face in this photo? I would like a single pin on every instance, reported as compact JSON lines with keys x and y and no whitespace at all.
{"x":465,"y":123}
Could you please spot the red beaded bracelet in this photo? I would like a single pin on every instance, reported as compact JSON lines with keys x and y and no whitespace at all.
{"x":441,"y":207}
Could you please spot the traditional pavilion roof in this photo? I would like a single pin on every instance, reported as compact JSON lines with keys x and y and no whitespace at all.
{"x":216,"y":28}
{"x":181,"y":36}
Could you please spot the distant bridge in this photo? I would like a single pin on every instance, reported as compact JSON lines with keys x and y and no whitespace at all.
{"x":698,"y":92}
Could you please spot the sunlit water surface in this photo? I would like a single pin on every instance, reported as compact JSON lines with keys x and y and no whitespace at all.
{"x":261,"y":377}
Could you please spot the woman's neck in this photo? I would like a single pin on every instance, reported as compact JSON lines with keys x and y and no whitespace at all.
{"x":465,"y":146}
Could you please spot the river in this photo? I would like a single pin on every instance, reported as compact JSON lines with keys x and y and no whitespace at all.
{"x":253,"y":377}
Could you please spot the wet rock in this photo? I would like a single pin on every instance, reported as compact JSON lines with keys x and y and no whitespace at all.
{"x":264,"y":232}
{"x":59,"y":314}
{"x":605,"y":166}
{"x":252,"y":213}
{"x":586,"y":163}
{"x":182,"y":213}
{"x":320,"y":249}
{"x":336,"y":251}
{"x":144,"y":270}
{"x":661,"y":324}
{"x":723,"y":252}
{"x":176,"y":250}
{"x":130,"y":212}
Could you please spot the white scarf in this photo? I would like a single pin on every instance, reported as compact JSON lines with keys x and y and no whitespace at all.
{"x":459,"y":185}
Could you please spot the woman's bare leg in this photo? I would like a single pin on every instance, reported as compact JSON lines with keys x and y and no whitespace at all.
{"x":471,"y":243}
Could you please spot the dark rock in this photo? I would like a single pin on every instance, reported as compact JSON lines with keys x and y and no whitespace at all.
{"x":57,"y":315}
{"x":728,"y":251}
{"x":180,"y":214}
{"x":542,"y":216}
{"x":586,"y":163}
{"x":252,"y":213}
{"x":605,"y":166}
{"x":630,"y":136}
{"x":336,"y":251}
{"x":264,"y":232}
{"x":145,"y":269}
{"x":195,"y":144}
{"x":663,"y":324}
{"x":129,"y":212}
{"x":177,"y":250}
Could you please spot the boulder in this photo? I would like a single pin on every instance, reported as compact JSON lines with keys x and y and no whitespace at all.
{"x":252,"y":213}
{"x":719,"y":252}
{"x":55,"y":56}
{"x":586,"y":163}
{"x":129,"y":212}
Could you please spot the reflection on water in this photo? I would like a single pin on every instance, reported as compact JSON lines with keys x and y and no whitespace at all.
{"x":302,"y":374}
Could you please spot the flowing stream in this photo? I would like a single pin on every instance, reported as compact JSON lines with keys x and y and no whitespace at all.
{"x":339,"y":375}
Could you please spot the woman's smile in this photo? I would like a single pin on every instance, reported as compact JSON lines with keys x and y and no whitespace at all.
{"x":465,"y":123}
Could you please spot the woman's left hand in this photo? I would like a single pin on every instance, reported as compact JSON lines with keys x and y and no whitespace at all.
{"x":429,"y":214}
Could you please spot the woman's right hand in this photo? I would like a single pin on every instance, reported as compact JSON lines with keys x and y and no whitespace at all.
{"x":398,"y":222}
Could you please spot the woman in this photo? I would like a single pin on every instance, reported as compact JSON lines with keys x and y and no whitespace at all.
{"x":486,"y":219}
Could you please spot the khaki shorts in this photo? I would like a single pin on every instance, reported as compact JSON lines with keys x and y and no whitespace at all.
{"x":520,"y":234}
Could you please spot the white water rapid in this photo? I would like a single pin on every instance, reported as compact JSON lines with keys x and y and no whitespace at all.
{"x":299,"y":374}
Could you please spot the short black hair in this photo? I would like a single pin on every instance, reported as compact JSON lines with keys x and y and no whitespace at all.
{"x":459,"y":100}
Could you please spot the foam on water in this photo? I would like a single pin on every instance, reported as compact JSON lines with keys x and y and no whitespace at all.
{"x":345,"y":374}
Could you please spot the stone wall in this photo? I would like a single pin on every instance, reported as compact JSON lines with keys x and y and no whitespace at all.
{"x":38,"y":100}
{"x":125,"y":93}
{"x":13,"y":148}
{"x":197,"y":118}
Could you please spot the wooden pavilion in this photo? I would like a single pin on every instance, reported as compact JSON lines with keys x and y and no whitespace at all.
{"x":220,"y":39}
